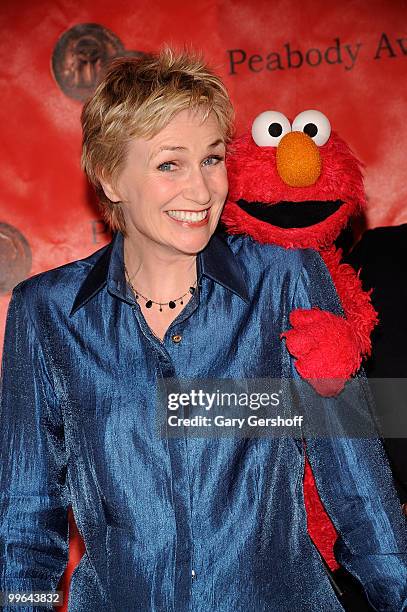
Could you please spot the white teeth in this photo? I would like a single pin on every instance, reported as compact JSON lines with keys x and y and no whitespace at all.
{"x":191,"y":217}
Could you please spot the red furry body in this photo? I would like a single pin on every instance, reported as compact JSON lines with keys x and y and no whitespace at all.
{"x":262,"y":205}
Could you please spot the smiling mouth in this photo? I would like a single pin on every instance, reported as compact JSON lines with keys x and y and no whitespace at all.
{"x":188,"y":215}
{"x":291,"y":215}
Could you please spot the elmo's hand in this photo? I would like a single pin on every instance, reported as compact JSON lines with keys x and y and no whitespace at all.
{"x":325,"y":348}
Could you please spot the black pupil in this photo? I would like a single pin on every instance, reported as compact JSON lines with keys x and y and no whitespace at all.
{"x":275,"y":129}
{"x":311,"y":129}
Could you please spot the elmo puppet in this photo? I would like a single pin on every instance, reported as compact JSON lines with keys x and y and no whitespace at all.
{"x":297,"y":185}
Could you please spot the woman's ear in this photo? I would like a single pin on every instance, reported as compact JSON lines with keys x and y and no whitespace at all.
{"x":109,"y":190}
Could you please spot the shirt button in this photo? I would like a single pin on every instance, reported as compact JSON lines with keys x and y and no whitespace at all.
{"x":176,"y":338}
{"x":193,"y":574}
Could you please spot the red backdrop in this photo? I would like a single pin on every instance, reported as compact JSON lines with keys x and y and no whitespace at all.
{"x":346,"y":59}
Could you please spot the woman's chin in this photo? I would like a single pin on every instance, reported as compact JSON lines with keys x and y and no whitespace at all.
{"x":193,"y":241}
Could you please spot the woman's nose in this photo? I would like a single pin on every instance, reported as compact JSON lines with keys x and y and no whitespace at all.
{"x":298,"y":160}
{"x":197,"y":188}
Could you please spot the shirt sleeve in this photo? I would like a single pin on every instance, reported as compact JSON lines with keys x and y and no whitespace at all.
{"x":352,"y":474}
{"x":34,"y":494}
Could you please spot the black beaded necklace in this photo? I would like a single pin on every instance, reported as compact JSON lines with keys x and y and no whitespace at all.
{"x":148,"y":303}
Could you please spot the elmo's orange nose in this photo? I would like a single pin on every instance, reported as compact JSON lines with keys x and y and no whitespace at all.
{"x":298,"y":160}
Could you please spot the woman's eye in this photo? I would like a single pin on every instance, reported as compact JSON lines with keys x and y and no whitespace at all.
{"x":213,"y":160}
{"x":166,"y":166}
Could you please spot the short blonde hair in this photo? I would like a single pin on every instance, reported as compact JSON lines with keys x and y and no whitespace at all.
{"x":138,"y":97}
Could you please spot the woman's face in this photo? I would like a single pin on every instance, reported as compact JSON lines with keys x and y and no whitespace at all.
{"x":174,"y":185}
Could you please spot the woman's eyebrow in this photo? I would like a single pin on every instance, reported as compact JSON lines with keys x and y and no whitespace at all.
{"x":165,"y":148}
{"x":180,"y":148}
{"x":171,"y":148}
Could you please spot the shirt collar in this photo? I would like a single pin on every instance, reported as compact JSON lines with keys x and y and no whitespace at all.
{"x":215,"y":261}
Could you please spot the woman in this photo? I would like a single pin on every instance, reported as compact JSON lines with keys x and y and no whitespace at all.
{"x":172,"y":523}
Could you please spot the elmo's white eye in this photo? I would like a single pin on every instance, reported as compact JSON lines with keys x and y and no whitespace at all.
{"x":269,"y":128}
{"x":315,"y":124}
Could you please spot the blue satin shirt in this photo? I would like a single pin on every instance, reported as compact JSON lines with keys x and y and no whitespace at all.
{"x":180,"y":524}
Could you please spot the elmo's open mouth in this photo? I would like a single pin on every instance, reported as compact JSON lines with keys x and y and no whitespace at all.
{"x":291,"y":214}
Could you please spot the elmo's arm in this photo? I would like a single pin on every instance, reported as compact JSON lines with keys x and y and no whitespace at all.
{"x":355,"y":302}
{"x":329,"y":346}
